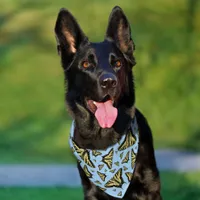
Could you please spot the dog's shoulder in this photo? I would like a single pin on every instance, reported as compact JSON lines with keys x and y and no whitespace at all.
{"x":143,"y":126}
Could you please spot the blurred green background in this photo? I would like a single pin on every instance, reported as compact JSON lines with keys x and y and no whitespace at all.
{"x":34,"y":124}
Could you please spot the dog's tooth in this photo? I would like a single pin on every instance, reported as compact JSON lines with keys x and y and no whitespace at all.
{"x":94,"y":102}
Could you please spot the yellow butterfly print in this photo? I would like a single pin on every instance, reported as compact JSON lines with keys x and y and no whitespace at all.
{"x":129,"y":175}
{"x":117,"y":163}
{"x":113,"y":170}
{"x":129,"y":141}
{"x":77,"y":148}
{"x":104,"y":189}
{"x":88,"y":174}
{"x":73,"y":150}
{"x":116,"y":181}
{"x":132,"y":159}
{"x":84,"y":155}
{"x":96,"y":153}
{"x":119,"y":194}
{"x":125,"y":168}
{"x":98,"y":182}
{"x":100,"y":167}
{"x":126,"y":159}
{"x":102,"y":176}
{"x":121,"y":155}
{"x":107,"y":159}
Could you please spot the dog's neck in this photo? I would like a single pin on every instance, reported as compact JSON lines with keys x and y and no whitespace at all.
{"x":88,"y":133}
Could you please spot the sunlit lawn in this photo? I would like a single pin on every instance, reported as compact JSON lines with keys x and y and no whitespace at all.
{"x":174,"y":186}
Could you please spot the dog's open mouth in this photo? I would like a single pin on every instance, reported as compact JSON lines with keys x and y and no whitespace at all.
{"x":104,"y":111}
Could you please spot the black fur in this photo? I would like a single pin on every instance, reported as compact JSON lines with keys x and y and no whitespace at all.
{"x":83,"y":84}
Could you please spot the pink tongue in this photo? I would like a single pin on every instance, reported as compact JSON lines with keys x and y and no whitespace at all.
{"x":106,"y":114}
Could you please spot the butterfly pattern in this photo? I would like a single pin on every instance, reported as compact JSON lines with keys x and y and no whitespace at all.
{"x":116,"y":180}
{"x":107,"y":159}
{"x":110,"y":169}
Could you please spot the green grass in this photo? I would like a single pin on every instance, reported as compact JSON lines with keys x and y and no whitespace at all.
{"x":183,"y":186}
{"x":180,"y":186}
{"x":40,"y":193}
{"x":34,"y":125}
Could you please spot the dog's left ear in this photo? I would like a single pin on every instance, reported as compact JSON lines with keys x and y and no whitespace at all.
{"x":119,"y":31}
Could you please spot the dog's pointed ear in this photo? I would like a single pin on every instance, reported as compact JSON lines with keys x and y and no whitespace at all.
{"x":69,"y":35}
{"x":119,"y":31}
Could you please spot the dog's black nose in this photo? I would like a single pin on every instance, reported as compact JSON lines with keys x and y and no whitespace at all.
{"x":108,"y":81}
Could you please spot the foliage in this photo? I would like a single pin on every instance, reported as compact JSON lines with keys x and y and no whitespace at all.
{"x":34,"y":125}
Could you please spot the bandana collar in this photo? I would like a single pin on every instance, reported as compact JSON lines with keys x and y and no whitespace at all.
{"x":110,"y":169}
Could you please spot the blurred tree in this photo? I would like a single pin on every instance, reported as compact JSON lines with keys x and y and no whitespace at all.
{"x":190,"y":29}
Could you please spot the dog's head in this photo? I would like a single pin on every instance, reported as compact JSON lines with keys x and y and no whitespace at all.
{"x":98,"y":75}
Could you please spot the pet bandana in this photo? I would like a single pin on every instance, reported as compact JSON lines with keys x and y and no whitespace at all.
{"x":110,"y":169}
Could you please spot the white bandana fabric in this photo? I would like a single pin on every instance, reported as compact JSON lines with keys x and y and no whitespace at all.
{"x":110,"y":169}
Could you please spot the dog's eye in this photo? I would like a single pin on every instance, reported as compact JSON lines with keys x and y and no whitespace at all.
{"x":118,"y":63}
{"x":85,"y":64}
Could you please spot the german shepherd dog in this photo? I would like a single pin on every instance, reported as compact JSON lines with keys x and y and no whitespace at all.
{"x":100,"y":96}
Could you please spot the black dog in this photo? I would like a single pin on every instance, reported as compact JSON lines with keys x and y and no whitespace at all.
{"x":100,"y":97}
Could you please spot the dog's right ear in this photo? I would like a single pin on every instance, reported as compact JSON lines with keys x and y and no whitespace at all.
{"x":69,"y":36}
